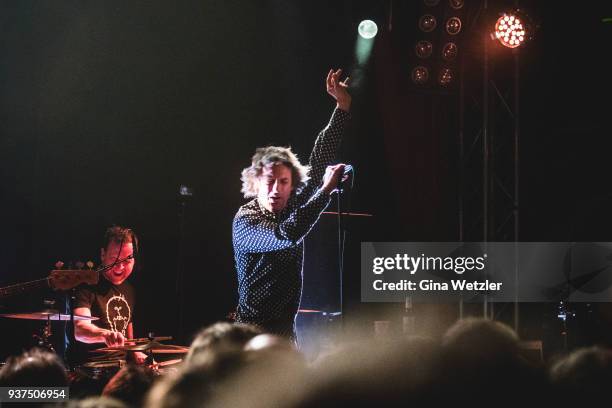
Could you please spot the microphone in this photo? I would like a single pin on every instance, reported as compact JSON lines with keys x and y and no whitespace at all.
{"x":347,"y":177}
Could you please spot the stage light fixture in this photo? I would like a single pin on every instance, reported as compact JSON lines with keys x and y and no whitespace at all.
{"x":450,"y":51}
{"x":445,"y":76}
{"x":423,"y":49}
{"x":453,"y":25}
{"x":456,"y":4}
{"x":433,"y":67}
{"x":427,"y":23}
{"x":510,"y":30}
{"x":420,"y":75}
{"x":367,"y":29}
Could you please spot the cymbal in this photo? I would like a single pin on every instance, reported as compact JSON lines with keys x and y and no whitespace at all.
{"x":175,"y":350}
{"x":147,"y":339}
{"x":152,"y":347}
{"x":46,"y":315}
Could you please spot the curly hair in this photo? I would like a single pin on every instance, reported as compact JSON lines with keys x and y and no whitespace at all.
{"x":271,"y":155}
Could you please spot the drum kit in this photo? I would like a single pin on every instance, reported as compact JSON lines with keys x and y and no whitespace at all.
{"x":105,"y":364}
{"x":104,"y":368}
{"x":48,"y":316}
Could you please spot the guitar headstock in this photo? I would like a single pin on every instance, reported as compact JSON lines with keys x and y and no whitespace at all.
{"x":63,"y":279}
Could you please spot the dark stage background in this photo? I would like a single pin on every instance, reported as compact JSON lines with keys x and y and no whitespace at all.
{"x":107,"y":107}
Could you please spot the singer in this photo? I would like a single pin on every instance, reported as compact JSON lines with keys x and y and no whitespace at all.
{"x":269,"y":230}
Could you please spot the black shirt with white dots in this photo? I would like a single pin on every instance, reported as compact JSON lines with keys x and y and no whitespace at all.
{"x":269,"y":249}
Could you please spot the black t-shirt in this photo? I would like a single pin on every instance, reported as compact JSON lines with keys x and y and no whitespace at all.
{"x":113,"y":305}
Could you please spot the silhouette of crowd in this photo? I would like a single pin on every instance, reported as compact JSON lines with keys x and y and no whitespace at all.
{"x":477,"y":362}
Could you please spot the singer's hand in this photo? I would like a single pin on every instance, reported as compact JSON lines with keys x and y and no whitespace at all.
{"x":338,"y":90}
{"x":331,"y":177}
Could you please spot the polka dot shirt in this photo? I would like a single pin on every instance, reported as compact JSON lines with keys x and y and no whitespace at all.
{"x":269,"y":249}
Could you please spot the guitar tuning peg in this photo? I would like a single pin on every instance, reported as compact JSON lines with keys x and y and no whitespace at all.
{"x":90,"y":264}
{"x":79,"y":264}
{"x":59,"y":265}
{"x":49,"y":303}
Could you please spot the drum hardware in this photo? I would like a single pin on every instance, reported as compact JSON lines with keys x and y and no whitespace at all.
{"x":168,"y":366}
{"x":147,"y":339}
{"x":148,"y":345}
{"x":152,"y":347}
{"x":105,"y":364}
{"x":100,"y":370}
{"x":47,"y":315}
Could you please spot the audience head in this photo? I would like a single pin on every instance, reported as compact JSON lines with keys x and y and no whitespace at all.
{"x":96,"y":402}
{"x":197,"y":382}
{"x":482,"y":357}
{"x":34,"y":368}
{"x":395,"y":373}
{"x":130,"y":384}
{"x":584,"y":372}
{"x":482,"y":339}
{"x":268,"y":342}
{"x":221,"y":337}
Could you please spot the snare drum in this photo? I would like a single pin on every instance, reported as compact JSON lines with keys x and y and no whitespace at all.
{"x":103,"y":369}
{"x":90,"y":378}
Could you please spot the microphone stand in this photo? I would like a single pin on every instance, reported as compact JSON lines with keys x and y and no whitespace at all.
{"x":179,"y":270}
{"x":342,"y":232}
{"x":70,"y":297}
{"x":341,"y":236}
{"x":185,"y":193}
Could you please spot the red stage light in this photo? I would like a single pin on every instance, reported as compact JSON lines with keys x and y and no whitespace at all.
{"x":456,"y":4}
{"x":450,"y":51}
{"x":445,"y":76}
{"x":427,"y":23}
{"x":420,"y":75}
{"x":509,"y":31}
{"x":453,"y":25}
{"x":423,"y":49}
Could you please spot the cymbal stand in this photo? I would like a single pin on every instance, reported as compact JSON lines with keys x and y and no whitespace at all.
{"x":42,"y":339}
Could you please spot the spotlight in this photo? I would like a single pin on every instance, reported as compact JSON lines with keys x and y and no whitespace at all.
{"x":423,"y":49}
{"x":445,"y":76}
{"x":453,"y":25}
{"x":420,"y":75}
{"x":367,"y":29}
{"x":511,"y":30}
{"x":450,"y":51}
{"x":427,"y":23}
{"x":456,"y":4}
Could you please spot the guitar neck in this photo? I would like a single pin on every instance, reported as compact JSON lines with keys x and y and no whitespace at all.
{"x":16,"y":289}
